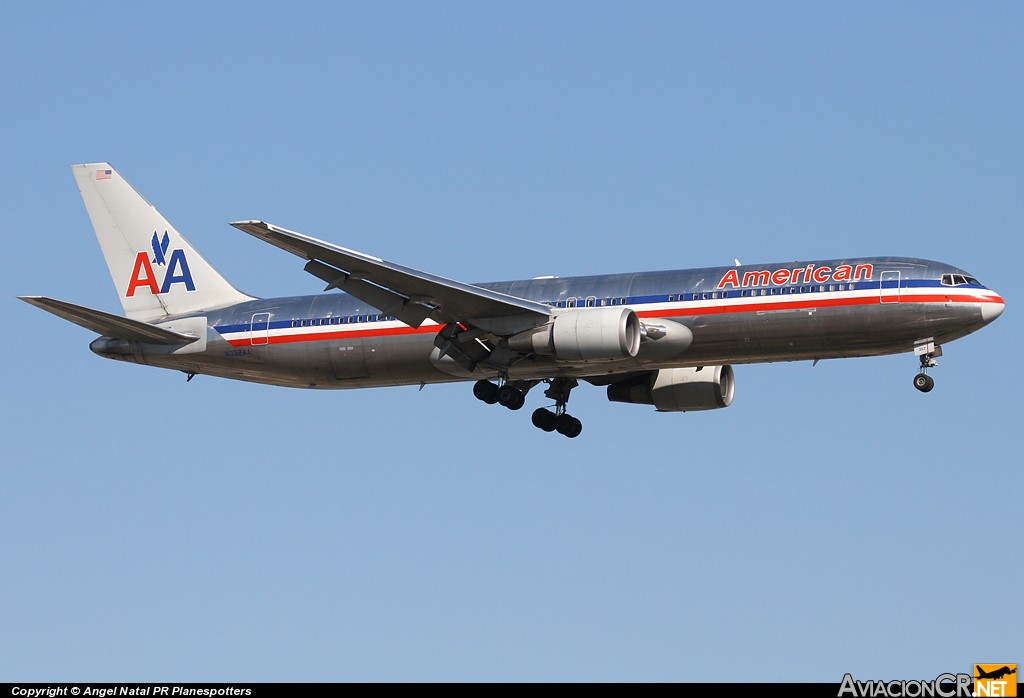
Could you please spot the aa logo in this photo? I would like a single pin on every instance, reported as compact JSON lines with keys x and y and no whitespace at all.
{"x":995,"y":680}
{"x":174,"y":269}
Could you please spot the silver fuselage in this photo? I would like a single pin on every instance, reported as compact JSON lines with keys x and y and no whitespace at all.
{"x":736,"y":315}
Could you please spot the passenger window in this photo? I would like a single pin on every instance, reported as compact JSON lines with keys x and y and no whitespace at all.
{"x":591,"y":300}
{"x":571,"y":303}
{"x":671,"y":297}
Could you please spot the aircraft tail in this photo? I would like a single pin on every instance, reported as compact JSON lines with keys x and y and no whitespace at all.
{"x":156,"y":271}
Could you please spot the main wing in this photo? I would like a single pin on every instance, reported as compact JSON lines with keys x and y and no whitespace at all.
{"x":410,"y":295}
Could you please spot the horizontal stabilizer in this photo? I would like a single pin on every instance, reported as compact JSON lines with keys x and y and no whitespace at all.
{"x":108,"y":324}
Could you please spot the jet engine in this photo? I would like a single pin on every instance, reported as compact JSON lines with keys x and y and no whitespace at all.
{"x":584,"y":335}
{"x":678,"y":389}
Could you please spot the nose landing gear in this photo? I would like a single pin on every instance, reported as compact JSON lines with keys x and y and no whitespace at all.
{"x":928,"y":352}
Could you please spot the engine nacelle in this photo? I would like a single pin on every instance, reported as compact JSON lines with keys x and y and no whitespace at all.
{"x":678,"y":389}
{"x":588,"y":334}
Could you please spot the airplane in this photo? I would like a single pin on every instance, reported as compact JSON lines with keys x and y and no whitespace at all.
{"x":667,"y":339}
{"x":996,"y":674}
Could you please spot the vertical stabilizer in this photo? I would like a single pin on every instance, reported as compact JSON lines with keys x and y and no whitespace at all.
{"x":155,"y":270}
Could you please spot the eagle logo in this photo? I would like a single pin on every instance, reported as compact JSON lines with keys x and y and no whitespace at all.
{"x":160,"y":248}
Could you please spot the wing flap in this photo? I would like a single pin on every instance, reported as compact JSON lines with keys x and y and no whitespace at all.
{"x":108,"y":324}
{"x":414,"y":295}
{"x":402,"y":307}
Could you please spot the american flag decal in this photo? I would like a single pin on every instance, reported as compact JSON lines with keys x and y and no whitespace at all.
{"x":103,"y":174}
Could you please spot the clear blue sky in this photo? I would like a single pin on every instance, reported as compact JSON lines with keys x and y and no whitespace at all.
{"x":832,"y":520}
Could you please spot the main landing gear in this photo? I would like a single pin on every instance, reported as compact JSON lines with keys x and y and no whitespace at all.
{"x":506,"y":395}
{"x":513,"y":396}
{"x":559,"y":420}
{"x":564,"y":423}
{"x":927,"y":351}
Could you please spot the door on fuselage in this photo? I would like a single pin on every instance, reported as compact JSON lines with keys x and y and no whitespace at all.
{"x":259,"y":330}
{"x":889,"y":289}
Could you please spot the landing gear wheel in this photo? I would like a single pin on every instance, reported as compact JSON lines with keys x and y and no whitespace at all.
{"x":543,"y":419}
{"x":485,"y":391}
{"x":510,"y":397}
{"x":567,"y":425}
{"x":924,"y":382}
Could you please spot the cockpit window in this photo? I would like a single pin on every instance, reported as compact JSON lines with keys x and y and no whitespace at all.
{"x":959,"y":280}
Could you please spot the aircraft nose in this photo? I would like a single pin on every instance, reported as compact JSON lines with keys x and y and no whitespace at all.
{"x":990,"y":311}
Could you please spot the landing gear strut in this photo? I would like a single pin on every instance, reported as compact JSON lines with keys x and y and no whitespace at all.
{"x":559,"y":420}
{"x":927,"y":351}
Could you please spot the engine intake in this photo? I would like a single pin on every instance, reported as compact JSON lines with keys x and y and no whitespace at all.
{"x":584,"y":335}
{"x":678,"y":389}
